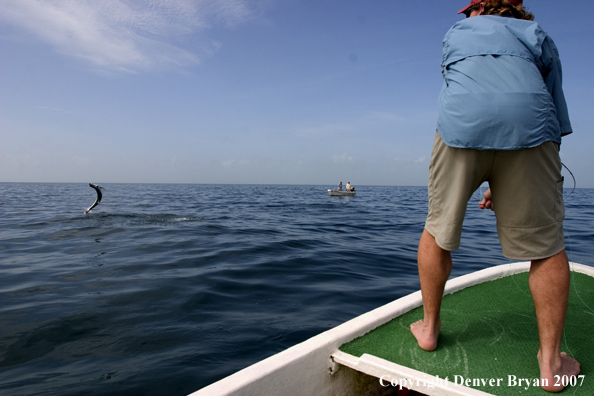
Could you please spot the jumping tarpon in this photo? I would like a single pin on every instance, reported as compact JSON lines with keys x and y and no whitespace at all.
{"x":99,"y":196}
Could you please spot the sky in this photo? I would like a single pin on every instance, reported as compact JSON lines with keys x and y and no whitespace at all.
{"x":249,"y":92}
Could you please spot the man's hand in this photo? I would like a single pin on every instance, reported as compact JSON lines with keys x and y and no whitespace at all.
{"x":486,"y":203}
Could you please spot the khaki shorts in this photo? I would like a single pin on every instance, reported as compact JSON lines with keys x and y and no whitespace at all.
{"x":527,"y":190}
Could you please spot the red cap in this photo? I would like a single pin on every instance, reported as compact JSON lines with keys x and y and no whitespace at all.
{"x":473,"y":2}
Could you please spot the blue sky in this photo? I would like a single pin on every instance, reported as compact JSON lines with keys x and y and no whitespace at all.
{"x":254,"y":91}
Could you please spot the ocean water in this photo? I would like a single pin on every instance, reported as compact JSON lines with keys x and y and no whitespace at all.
{"x":164,"y":289}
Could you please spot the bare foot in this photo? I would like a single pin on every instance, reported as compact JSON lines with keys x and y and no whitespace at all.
{"x":425,"y":334}
{"x":555,"y":372}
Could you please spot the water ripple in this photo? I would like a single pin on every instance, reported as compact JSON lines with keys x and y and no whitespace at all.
{"x":163,"y":289}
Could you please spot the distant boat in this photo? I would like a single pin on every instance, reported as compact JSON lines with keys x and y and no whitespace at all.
{"x":350,"y":358}
{"x":336,"y":193}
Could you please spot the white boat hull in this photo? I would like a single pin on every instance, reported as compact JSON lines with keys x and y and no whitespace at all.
{"x":317,"y":367}
{"x":335,"y":193}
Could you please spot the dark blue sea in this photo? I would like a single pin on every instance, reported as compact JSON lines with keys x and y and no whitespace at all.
{"x":164,"y":289}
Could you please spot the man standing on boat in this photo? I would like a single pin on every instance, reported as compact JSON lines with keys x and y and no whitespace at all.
{"x":502,"y":113}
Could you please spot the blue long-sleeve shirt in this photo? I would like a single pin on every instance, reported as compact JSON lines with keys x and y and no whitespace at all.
{"x":502,"y":86}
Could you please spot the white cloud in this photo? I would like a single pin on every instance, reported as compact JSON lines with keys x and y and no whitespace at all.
{"x":370,"y":122}
{"x":54,"y":109}
{"x":233,"y":163}
{"x":321,"y":130}
{"x":341,"y":158}
{"x":127,"y":35}
{"x":419,"y":160}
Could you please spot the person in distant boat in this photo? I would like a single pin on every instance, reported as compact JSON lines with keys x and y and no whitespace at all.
{"x":349,"y":187}
{"x":339,"y":188}
{"x":501,"y":116}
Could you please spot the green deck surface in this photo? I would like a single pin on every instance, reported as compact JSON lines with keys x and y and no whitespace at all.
{"x":489,"y":331}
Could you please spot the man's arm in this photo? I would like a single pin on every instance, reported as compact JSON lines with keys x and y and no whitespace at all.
{"x":486,"y":203}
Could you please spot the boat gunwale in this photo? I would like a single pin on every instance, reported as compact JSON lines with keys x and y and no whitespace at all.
{"x":376,"y":367}
{"x":323,"y":348}
{"x":336,"y":193}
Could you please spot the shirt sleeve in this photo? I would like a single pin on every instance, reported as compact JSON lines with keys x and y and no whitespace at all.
{"x":552,"y":75}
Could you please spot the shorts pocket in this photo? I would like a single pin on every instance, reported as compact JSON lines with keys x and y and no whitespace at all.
{"x":559,"y":204}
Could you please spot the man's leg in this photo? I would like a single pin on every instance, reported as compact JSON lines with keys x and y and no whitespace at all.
{"x":549,"y":285}
{"x":435,"y":265}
